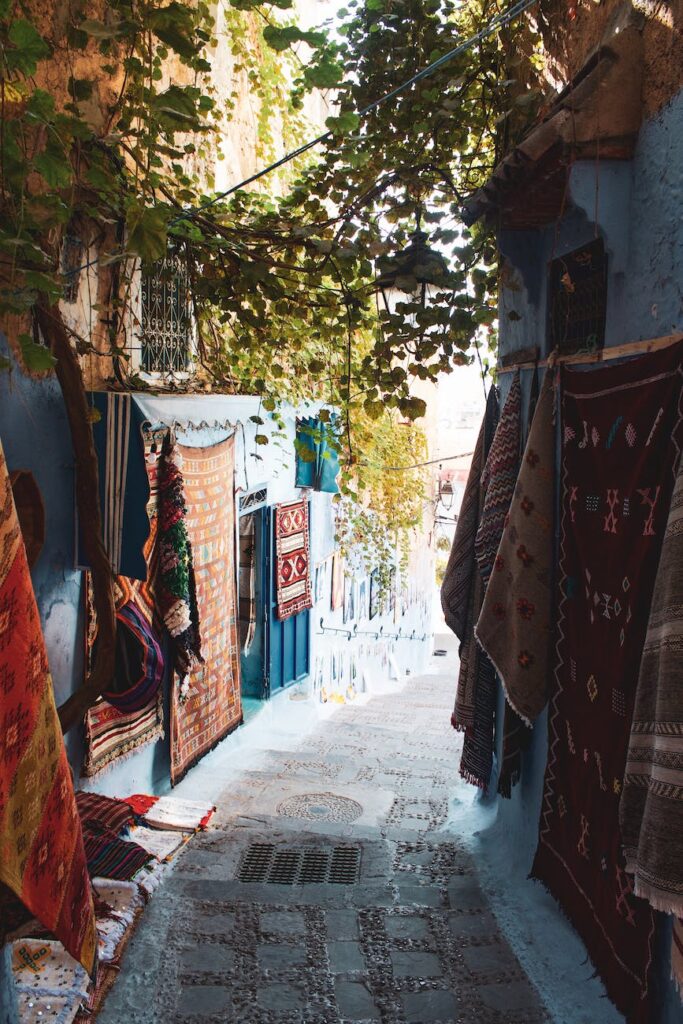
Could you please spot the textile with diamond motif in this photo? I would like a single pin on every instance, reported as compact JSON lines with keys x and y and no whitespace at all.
{"x":206,"y":705}
{"x":497,"y":486}
{"x":41,"y":844}
{"x":292,"y":562}
{"x":515,"y":627}
{"x":621,"y":434}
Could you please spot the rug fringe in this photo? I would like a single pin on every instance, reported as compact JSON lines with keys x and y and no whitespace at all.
{"x":667,"y":904}
{"x":473,"y":779}
{"x":90,"y":771}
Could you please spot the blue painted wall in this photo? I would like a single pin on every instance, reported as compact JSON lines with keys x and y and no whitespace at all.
{"x":639,"y":208}
{"x":9,"y":1013}
{"x":35,"y":436}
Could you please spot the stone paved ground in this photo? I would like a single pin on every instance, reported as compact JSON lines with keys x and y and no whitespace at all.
{"x":413,"y":940}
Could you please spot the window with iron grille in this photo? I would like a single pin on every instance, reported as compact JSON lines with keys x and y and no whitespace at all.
{"x":253,"y":500}
{"x":578,"y":299}
{"x":165,"y":318}
{"x":73,"y":257}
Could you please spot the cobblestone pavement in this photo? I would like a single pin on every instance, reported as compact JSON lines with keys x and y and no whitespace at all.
{"x":410,"y":939}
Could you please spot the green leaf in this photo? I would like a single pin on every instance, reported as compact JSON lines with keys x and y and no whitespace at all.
{"x":80,"y":88}
{"x":324,"y":75}
{"x":54,"y":165}
{"x":261,"y":439}
{"x":176,"y":107}
{"x":36,"y":358}
{"x":42,"y":283}
{"x":30,"y":47}
{"x":345,"y":123}
{"x":281,"y":38}
{"x":148,"y":231}
{"x":40,"y":105}
{"x":174,"y":26}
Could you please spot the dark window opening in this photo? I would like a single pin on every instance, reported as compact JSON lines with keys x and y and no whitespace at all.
{"x":165,"y":318}
{"x":73,"y":257}
{"x":578,"y":299}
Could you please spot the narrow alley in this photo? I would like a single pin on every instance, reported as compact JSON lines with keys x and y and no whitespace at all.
{"x":330,"y":888}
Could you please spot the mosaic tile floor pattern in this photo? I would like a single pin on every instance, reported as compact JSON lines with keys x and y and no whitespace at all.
{"x":413,"y":942}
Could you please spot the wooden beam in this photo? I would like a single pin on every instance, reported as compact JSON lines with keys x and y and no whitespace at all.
{"x":604,"y":355}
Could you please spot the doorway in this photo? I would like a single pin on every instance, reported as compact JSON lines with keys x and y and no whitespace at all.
{"x":274,"y":654}
{"x":288,"y":639}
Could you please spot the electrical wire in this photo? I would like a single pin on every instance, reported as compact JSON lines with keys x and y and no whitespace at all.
{"x":419,"y":465}
{"x":500,"y":21}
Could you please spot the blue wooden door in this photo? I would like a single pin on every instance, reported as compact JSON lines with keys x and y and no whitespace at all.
{"x":288,"y":641}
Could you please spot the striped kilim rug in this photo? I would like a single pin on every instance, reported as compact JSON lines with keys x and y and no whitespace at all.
{"x":111,"y":734}
{"x":111,"y":857}
{"x":104,"y":810}
{"x":292,"y":561}
{"x":206,"y":706}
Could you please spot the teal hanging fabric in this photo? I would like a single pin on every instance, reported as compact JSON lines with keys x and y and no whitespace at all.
{"x":317,"y":458}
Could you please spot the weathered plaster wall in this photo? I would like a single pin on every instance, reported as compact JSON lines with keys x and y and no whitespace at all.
{"x":639,"y":208}
{"x":640,"y":215}
{"x":571,"y":31}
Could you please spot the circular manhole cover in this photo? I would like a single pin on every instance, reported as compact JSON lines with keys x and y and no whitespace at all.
{"x":320,"y":807}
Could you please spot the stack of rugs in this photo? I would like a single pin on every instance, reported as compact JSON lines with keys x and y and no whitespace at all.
{"x":128,"y":844}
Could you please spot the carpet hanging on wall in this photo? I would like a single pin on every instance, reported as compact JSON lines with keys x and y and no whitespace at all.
{"x":621,"y":435}
{"x":497,"y":486}
{"x":42,"y":859}
{"x":462,"y":588}
{"x":176,"y":585}
{"x":206,"y":706}
{"x":112,"y":734}
{"x":516,"y":623}
{"x":651,"y":809}
{"x":292,"y":559}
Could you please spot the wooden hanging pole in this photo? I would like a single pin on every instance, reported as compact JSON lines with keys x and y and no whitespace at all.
{"x":630,"y":348}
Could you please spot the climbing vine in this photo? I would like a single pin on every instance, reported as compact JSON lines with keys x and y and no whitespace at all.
{"x":383,"y":510}
{"x":110,"y":114}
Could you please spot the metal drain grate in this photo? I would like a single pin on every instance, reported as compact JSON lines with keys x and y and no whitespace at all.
{"x":300,"y":865}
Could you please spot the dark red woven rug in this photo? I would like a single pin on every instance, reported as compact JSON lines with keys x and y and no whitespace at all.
{"x":620,"y":425}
